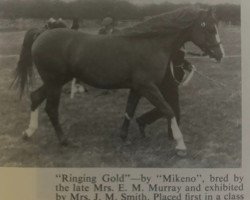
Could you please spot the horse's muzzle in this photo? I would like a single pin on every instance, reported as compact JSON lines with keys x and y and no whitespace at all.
{"x":216,"y":52}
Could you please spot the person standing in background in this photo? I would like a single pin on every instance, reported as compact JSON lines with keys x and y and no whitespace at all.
{"x":75,"y":24}
{"x":108,"y":26}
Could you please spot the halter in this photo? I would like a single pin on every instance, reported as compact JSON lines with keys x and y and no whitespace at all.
{"x":217,"y":44}
{"x":208,"y":46}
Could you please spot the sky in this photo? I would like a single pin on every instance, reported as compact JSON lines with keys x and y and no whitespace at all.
{"x":141,"y":2}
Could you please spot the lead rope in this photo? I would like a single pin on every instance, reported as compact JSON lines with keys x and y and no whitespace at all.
{"x":190,"y":76}
{"x":217,"y":83}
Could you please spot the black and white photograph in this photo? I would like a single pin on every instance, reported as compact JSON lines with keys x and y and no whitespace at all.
{"x":120,"y":84}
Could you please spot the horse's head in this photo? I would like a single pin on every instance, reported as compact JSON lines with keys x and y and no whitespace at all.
{"x":205,"y":35}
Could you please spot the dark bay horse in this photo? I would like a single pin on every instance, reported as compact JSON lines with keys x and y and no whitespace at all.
{"x":136,"y":59}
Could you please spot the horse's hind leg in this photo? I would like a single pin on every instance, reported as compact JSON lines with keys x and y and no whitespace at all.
{"x":153,"y":94}
{"x":37,"y":97}
{"x":52,"y":105}
{"x":132,"y":102}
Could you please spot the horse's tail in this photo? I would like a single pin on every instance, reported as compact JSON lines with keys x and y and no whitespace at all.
{"x":24,"y":69}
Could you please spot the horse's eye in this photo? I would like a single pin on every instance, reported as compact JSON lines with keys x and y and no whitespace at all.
{"x":203,"y":24}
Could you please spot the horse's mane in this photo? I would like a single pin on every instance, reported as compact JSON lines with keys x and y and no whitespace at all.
{"x":166,"y":23}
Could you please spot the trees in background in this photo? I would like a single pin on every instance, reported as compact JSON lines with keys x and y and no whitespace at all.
{"x":229,"y":13}
{"x":98,"y":9}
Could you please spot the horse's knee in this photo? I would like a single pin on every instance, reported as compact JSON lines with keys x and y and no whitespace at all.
{"x":170,"y":114}
{"x":50,"y":110}
{"x":37,"y":97}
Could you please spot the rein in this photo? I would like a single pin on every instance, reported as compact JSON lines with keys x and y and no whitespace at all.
{"x":190,"y":75}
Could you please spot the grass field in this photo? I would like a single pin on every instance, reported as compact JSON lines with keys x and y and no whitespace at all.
{"x":211,"y":121}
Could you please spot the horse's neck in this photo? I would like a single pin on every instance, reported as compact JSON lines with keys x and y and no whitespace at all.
{"x":172,"y":44}
{"x":181,"y":39}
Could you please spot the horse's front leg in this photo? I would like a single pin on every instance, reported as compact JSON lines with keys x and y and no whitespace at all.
{"x":171,"y":95}
{"x":154,"y":95}
{"x":132,"y":102}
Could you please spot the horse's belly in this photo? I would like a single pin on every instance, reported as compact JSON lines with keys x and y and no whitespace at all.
{"x":104,"y":77}
{"x":106,"y":83}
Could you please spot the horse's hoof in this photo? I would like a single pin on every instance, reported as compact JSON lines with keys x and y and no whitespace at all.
{"x":146,"y":139}
{"x":141,"y":128}
{"x":128,"y":142}
{"x":25,"y":136}
{"x":123,"y":135}
{"x":143,"y":136}
{"x":181,"y":153}
{"x":64,"y":141}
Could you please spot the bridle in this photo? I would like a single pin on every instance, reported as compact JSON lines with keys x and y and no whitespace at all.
{"x":217,"y":44}
{"x":207,"y":47}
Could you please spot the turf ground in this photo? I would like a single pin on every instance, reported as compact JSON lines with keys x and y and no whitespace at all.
{"x":211,"y":120}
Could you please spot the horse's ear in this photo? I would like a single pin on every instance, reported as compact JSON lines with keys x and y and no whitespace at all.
{"x":211,"y":11}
